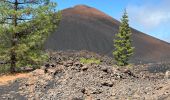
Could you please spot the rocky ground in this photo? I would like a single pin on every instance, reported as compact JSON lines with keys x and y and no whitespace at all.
{"x":64,"y":77}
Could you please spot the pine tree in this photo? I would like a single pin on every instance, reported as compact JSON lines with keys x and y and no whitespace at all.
{"x":122,"y":42}
{"x":24,"y":27}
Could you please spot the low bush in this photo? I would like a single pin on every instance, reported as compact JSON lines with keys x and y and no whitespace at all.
{"x":90,"y":60}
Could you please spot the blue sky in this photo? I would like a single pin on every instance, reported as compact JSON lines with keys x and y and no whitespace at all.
{"x":149,"y":16}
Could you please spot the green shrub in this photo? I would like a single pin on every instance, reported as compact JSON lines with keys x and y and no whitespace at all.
{"x":89,"y":60}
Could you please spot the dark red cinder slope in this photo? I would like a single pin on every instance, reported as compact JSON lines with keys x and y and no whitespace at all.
{"x":86,"y":28}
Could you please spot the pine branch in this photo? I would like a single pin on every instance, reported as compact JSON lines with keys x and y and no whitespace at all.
{"x":20,"y":3}
{"x":1,"y":22}
{"x":20,"y":19}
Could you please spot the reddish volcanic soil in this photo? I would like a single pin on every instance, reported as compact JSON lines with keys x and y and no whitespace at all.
{"x":6,"y":79}
{"x":86,"y":28}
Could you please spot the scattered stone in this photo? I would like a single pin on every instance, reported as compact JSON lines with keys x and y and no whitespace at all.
{"x":28,"y":83}
{"x":167,"y":74}
{"x":84,"y":68}
{"x":53,"y":65}
{"x":107,"y":83}
{"x":26,"y":69}
{"x":158,"y":88}
{"x":83,"y":90}
{"x":60,"y":63}
{"x":52,"y":71}
{"x":97,"y":91}
{"x":38,"y":72}
{"x":77,"y":98}
{"x":68,"y":63}
{"x":47,"y":65}
{"x":78,"y":64}
{"x":127,"y":71}
{"x":104,"y":69}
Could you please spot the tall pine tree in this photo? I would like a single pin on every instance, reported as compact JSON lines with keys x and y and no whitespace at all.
{"x":24,"y":27}
{"x":122,"y":42}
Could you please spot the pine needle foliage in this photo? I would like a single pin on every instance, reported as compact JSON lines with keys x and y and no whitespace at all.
{"x":24,"y":27}
{"x":123,"y":42}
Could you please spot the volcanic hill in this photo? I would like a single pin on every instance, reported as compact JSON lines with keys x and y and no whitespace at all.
{"x":86,"y":28}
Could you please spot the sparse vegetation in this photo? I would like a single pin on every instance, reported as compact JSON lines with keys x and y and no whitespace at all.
{"x":89,"y":61}
{"x":122,"y":42}
{"x":4,"y":69}
{"x":24,"y":27}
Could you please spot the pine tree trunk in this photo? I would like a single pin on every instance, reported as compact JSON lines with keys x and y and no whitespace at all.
{"x":13,"y":62}
{"x":14,"y":41}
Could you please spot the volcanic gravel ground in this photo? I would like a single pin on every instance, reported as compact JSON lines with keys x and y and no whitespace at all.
{"x":64,"y":77}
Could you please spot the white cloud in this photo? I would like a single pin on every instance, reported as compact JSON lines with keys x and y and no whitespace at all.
{"x":150,"y":15}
